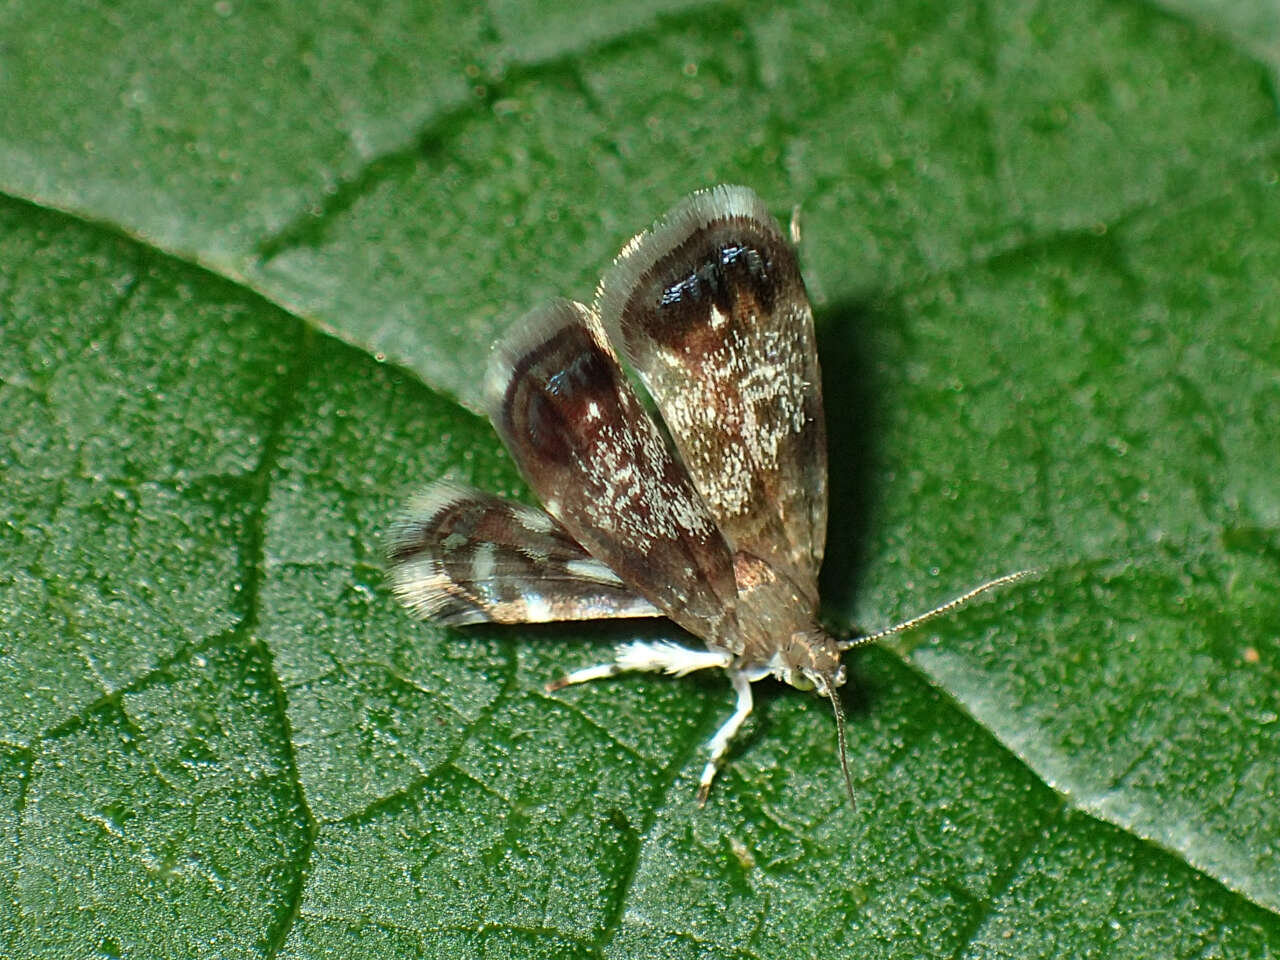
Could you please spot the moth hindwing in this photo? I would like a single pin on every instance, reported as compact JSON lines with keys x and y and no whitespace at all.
{"x":459,"y":556}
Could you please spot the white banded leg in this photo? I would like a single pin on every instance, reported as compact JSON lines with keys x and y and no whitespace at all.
{"x":720,"y":742}
{"x":659,"y":656}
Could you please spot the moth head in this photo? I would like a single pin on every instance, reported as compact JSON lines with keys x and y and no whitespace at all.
{"x":810,"y":661}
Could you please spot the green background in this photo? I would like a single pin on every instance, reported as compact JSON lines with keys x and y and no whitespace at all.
{"x":252,"y":256}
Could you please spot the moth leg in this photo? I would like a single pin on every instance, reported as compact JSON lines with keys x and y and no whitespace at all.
{"x":660,"y":656}
{"x":720,"y":742}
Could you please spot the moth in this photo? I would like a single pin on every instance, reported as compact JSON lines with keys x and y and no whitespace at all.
{"x":717,"y":520}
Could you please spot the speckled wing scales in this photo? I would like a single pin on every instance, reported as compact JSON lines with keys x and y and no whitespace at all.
{"x":459,"y":555}
{"x":600,"y":466}
{"x":710,"y":310}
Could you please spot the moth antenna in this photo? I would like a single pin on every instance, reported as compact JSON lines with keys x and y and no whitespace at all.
{"x":844,"y":752}
{"x":936,"y":611}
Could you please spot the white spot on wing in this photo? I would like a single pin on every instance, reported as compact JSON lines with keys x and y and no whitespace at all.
{"x":538,"y":607}
{"x":537,"y":521}
{"x":593,"y":570}
{"x":482,"y":568}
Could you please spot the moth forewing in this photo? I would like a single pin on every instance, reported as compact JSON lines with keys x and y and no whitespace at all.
{"x":588,"y":449}
{"x":709,"y":308}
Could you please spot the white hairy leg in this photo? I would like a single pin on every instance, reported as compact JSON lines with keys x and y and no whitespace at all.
{"x":720,"y":742}
{"x":659,"y":656}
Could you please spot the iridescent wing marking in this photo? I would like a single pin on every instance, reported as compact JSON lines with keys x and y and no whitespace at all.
{"x":460,"y":556}
{"x":710,"y":310}
{"x":600,"y":466}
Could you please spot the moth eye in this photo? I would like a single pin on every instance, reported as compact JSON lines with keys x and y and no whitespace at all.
{"x":799,"y":680}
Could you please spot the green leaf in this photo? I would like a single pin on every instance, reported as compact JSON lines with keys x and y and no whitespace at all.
{"x":1041,"y":240}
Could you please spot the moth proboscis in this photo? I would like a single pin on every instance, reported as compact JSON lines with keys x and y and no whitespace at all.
{"x":720,"y":528}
